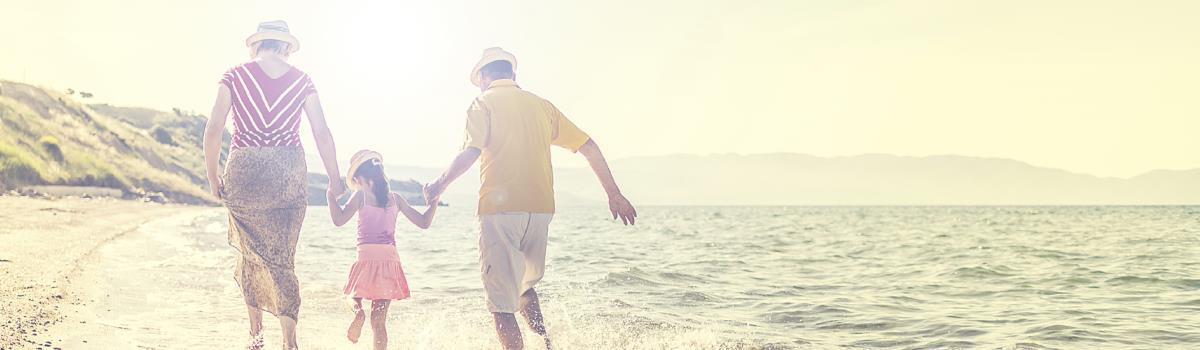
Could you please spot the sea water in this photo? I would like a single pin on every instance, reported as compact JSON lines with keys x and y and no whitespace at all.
{"x":713,"y":278}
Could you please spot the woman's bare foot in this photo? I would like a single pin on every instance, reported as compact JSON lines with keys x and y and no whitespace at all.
{"x":256,"y":342}
{"x":356,"y":326}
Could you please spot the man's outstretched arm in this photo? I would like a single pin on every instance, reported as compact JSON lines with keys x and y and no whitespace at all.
{"x":460,"y":165}
{"x":617,"y":204}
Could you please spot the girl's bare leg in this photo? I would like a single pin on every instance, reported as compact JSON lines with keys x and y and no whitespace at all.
{"x":356,"y":325}
{"x":256,"y":342}
{"x":379,"y":309}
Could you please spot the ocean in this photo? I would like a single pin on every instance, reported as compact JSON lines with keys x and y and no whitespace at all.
{"x":711,"y":278}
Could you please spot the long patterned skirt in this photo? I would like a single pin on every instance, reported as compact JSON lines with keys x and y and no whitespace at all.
{"x":266,"y":194}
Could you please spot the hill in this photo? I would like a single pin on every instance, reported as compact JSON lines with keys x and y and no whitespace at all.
{"x":50,"y":138}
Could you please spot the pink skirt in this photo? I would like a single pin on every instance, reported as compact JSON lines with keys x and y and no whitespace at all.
{"x":377,"y":275}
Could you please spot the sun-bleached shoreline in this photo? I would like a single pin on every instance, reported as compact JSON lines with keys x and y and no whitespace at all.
{"x":43,"y":242}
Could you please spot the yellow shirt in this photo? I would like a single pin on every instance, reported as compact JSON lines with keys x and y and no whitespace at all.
{"x":514,"y":130}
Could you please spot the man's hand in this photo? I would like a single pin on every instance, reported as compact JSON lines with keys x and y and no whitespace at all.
{"x":330,"y":197}
{"x":621,"y":208}
{"x":433,"y":191}
{"x":617,"y":204}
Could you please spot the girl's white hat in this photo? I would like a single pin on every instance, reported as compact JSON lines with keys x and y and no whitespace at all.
{"x":356,"y":161}
{"x":274,"y":30}
{"x":491,"y":54}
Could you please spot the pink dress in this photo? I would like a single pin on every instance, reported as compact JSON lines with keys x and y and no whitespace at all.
{"x":377,"y":275}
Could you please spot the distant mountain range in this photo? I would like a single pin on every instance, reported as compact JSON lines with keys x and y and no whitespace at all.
{"x":872,"y":179}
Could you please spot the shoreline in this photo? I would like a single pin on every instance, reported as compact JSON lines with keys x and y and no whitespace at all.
{"x":46,"y":240}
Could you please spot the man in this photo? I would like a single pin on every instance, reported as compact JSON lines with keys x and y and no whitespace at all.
{"x":512,"y":130}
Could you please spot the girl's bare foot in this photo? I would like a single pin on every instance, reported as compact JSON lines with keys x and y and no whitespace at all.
{"x":356,"y":326}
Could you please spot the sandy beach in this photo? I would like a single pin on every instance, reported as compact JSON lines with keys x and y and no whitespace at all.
{"x":44,"y":242}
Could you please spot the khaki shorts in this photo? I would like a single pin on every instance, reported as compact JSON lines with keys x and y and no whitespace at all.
{"x":512,"y":256}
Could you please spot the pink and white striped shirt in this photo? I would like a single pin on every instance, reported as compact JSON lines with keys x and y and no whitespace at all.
{"x":266,"y":111}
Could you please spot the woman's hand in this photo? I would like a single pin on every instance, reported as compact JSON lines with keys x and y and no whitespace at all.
{"x":331,"y":198}
{"x":216,"y":187}
{"x":336,"y":188}
{"x":214,"y":130}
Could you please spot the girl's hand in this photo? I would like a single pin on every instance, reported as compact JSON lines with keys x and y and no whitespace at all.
{"x":432,"y":192}
{"x":331,"y":197}
{"x":336,"y":187}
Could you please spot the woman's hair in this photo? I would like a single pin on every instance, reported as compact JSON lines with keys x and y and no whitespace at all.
{"x":271,"y":45}
{"x":372,"y":170}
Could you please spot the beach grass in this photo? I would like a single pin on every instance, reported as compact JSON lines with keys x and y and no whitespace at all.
{"x":49,"y":138}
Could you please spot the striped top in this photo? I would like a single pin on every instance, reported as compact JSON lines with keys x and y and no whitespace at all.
{"x":266,"y":111}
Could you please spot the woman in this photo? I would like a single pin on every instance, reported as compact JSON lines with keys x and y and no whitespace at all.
{"x":265,"y":181}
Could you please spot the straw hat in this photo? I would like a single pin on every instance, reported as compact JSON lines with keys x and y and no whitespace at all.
{"x":274,"y":30}
{"x":360,"y":158}
{"x":491,"y":54}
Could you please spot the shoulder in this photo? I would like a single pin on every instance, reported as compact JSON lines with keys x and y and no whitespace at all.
{"x":233,"y":74}
{"x":236,"y":68}
{"x":303,"y":75}
{"x":304,"y":78}
{"x":480,"y":103}
{"x":546,"y":104}
{"x":535,"y":98}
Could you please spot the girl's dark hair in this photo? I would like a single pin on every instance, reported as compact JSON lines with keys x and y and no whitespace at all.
{"x":372,"y":170}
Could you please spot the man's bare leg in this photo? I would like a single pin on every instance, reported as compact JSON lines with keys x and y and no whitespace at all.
{"x":508,"y":331}
{"x":532,"y":310}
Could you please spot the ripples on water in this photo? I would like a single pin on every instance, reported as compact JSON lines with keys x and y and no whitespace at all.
{"x":778,"y":278}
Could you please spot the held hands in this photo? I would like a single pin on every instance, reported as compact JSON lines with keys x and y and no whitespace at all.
{"x":331,"y":198}
{"x":621,"y":208}
{"x":336,"y":188}
{"x":433,"y":191}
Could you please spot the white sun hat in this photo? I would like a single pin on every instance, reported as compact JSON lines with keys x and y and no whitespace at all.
{"x":491,"y":54}
{"x":274,"y":30}
{"x":357,"y":160}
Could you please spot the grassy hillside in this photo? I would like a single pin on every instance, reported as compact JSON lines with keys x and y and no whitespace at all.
{"x":50,"y":138}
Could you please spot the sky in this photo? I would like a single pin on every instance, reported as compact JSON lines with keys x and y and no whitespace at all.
{"x":1099,"y":87}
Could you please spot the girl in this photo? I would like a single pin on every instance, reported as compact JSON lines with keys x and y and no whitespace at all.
{"x":377,"y":275}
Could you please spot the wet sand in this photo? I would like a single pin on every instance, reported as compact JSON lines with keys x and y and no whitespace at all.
{"x":45,"y":243}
